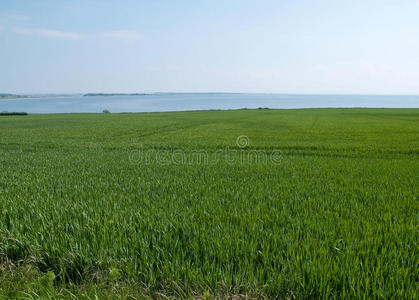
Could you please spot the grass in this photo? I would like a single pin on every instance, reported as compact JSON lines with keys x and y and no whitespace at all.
{"x":169,"y":205}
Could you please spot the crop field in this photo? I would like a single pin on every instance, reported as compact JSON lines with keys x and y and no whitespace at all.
{"x":287,"y":204}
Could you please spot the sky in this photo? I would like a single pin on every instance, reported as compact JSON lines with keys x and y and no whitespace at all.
{"x":256,"y":46}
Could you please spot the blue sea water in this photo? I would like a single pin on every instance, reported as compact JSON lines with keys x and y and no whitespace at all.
{"x":197,"y":101}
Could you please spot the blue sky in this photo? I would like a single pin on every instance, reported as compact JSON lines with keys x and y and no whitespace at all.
{"x":285,"y":46}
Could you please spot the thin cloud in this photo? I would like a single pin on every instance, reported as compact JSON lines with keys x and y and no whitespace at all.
{"x":122,"y":34}
{"x":49,"y":33}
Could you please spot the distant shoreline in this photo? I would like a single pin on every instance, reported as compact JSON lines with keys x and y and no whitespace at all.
{"x":113,"y":94}
{"x":156,"y":94}
{"x":37,"y":97}
{"x":11,"y":96}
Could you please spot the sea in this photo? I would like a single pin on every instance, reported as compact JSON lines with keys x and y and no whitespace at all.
{"x":159,"y":102}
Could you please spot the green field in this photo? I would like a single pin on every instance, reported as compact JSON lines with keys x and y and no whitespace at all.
{"x":312,"y":203}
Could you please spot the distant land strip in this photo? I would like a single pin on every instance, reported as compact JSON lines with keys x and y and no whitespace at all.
{"x":114,"y":94}
{"x":11,"y":96}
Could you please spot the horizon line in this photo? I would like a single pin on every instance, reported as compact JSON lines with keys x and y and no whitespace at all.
{"x":215,"y":92}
